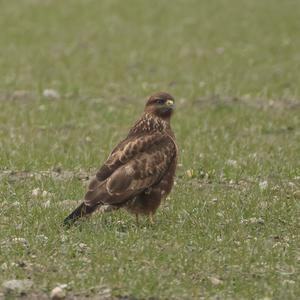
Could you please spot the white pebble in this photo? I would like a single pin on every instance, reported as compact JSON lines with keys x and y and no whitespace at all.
{"x":58,"y":293}
{"x":20,"y":286}
{"x":16,"y":204}
{"x":51,"y":94}
{"x":47,"y":204}
{"x":4,"y":266}
{"x":45,"y":194}
{"x":36,"y":192}
{"x":215,"y":280}
{"x":42,"y":238}
{"x":232,"y":163}
{"x":291,"y":184}
{"x":263,"y":185}
{"x":20,"y":240}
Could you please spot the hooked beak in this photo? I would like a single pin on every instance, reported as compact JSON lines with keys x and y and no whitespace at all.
{"x":170,"y":103}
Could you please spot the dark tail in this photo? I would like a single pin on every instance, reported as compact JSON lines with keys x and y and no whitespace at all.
{"x":81,"y":211}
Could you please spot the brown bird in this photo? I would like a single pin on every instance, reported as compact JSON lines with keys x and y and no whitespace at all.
{"x":140,"y":171}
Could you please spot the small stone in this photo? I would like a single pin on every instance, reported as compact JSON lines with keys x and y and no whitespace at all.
{"x":63,"y":238}
{"x":46,"y":204}
{"x":83,"y":248}
{"x":23,"y":95}
{"x":45,"y":194}
{"x":253,"y":155}
{"x":20,"y":240}
{"x":255,"y":220}
{"x":215,"y":280}
{"x":36,"y":192}
{"x":19,"y":226}
{"x":297,"y":194}
{"x":202,"y":84}
{"x":260,"y":221}
{"x":220,"y":50}
{"x":263,"y":185}
{"x":58,"y":293}
{"x":16,"y":204}
{"x":42,"y":238}
{"x":19,"y":286}
{"x":291,"y":184}
{"x":263,"y":204}
{"x":232,"y":163}
{"x":42,"y":108}
{"x":51,"y":94}
{"x":287,"y":281}
{"x":276,"y":188}
{"x":105,"y":293}
{"x":4,"y":266}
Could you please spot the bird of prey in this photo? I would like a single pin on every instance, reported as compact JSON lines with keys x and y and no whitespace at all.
{"x":140,"y":170}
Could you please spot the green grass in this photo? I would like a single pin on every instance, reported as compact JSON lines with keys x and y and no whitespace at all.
{"x":233,"y":67}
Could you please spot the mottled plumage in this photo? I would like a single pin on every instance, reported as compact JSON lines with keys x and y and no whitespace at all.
{"x":140,"y":171}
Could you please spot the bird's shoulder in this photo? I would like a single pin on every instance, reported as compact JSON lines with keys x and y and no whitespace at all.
{"x":149,"y":136}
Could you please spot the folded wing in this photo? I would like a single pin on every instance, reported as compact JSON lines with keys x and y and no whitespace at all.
{"x":135,"y":164}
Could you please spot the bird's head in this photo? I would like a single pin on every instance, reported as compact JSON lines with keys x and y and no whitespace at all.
{"x":160,"y":104}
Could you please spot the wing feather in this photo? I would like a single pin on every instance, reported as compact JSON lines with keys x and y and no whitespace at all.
{"x":123,"y":152}
{"x":133,"y":167}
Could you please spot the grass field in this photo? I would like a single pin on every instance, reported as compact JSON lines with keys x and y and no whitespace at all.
{"x":230,"y":228}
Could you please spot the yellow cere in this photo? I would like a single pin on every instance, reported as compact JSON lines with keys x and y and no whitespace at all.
{"x":169,"y":102}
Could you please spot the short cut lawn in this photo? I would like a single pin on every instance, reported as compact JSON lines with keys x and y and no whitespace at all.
{"x":230,"y":228}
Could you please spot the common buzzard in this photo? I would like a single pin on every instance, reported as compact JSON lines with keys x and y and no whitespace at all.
{"x":140,"y":171}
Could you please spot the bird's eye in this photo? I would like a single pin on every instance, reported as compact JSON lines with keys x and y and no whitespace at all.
{"x":160,"y":101}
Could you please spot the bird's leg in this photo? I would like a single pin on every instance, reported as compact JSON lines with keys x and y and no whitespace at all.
{"x":151,"y":219}
{"x":137,"y":219}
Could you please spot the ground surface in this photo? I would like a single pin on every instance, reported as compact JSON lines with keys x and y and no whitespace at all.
{"x":230,"y":228}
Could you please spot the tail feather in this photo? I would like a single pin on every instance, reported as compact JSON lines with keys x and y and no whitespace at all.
{"x":81,"y":211}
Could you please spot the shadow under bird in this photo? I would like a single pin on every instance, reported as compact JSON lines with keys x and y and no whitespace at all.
{"x":140,"y":170}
